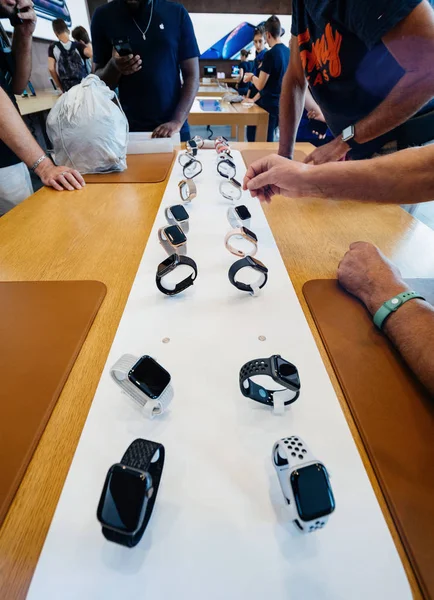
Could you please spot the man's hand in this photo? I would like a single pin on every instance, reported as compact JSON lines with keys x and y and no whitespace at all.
{"x":28,"y":16}
{"x":367,"y":274}
{"x":126,"y":65}
{"x":248,"y":77}
{"x":331,"y":152}
{"x":167,"y":129}
{"x":273,"y":175}
{"x":59,"y":178}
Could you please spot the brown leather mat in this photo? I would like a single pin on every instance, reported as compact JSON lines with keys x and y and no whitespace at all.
{"x":43,"y":326}
{"x":141,"y":168}
{"x":393,"y":413}
{"x":251,"y":155}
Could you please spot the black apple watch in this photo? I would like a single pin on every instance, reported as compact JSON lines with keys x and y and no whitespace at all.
{"x":256,"y":265}
{"x":226,"y":168}
{"x":169,"y":265}
{"x":129,"y":493}
{"x":192,"y":168}
{"x":192,"y":147}
{"x":280,"y":371}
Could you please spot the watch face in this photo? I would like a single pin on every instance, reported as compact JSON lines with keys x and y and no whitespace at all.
{"x":124,"y":498}
{"x":288,"y":372}
{"x":168,"y":265}
{"x":175,"y":235}
{"x":312,"y":492}
{"x":227,"y":169}
{"x":243,"y":212}
{"x":150,"y":377}
{"x":179,"y":212}
{"x":249,"y":233}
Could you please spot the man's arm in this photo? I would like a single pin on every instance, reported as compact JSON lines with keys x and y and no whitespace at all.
{"x":22,"y":46}
{"x":368,"y":275}
{"x":14,"y":133}
{"x":53,"y":72}
{"x":190,"y":76}
{"x":411,"y":42}
{"x":405,"y":177}
{"x":294,"y":86}
{"x":259,"y":82}
{"x":116,"y":67}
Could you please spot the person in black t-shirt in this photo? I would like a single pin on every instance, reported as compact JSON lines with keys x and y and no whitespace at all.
{"x":245,"y":66}
{"x":18,"y":148}
{"x":259,"y":43}
{"x":163,"y":45}
{"x":269,"y":82}
{"x":370,"y":67}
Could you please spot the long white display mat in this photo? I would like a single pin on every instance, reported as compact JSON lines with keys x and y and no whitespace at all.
{"x":220,"y":529}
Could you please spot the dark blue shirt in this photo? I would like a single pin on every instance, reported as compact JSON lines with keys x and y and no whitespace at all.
{"x":349,"y":69}
{"x":7,"y":157}
{"x":247,"y":67}
{"x":150,"y":96}
{"x":257,"y":63}
{"x":275,"y":63}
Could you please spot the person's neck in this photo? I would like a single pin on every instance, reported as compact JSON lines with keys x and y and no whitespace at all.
{"x":64,"y":38}
{"x":274,"y":41}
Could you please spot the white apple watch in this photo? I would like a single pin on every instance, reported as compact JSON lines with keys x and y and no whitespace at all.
{"x":239,"y":216}
{"x":144,"y":381}
{"x":305,"y":484}
{"x":177,"y":215}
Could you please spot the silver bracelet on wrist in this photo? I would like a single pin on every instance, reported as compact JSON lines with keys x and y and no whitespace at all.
{"x":38,"y":162}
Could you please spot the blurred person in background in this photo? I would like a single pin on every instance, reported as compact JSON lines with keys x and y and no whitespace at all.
{"x":18,"y":148}
{"x":245,"y":66}
{"x":269,"y":81}
{"x":260,"y":50}
{"x":81,"y":36}
{"x":67,"y":59}
{"x":161,"y":36}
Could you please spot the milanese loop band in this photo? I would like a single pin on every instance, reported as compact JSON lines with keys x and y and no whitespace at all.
{"x":151,"y":408}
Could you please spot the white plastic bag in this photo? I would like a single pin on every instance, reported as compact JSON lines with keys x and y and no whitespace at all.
{"x":89,"y":132}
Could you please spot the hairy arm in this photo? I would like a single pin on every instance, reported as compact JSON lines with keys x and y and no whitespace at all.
{"x":367,"y":274}
{"x":291,"y":101}
{"x":22,"y":46}
{"x":261,"y":81}
{"x":53,"y":72}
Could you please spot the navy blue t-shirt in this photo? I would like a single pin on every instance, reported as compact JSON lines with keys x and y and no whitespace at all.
{"x":257,"y":63}
{"x":275,"y":63}
{"x":247,"y":67}
{"x":349,"y":69}
{"x":150,"y":96}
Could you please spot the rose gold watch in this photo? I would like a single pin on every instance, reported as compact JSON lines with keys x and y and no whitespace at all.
{"x":241,"y":232}
{"x":187,"y":190}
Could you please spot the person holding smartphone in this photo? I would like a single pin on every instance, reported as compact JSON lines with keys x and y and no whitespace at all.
{"x":160,"y":45}
{"x":18,"y":148}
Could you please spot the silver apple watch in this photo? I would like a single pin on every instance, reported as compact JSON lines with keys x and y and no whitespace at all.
{"x":305,"y":484}
{"x":177,"y":215}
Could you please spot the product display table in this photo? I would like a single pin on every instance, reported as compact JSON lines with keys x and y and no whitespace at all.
{"x":44,"y":100}
{"x":100,"y":234}
{"x":231,"y":114}
{"x":206,"y":91}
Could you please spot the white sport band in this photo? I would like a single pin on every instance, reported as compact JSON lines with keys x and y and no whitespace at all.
{"x":235,"y":221}
{"x":151,"y":408}
{"x":288,"y":455}
{"x":185,"y":225}
{"x":230,"y":189}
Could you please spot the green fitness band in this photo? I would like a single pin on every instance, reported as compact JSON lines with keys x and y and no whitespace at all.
{"x":392,"y":306}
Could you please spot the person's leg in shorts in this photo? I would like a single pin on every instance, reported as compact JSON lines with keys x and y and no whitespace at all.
{"x":15,"y":186}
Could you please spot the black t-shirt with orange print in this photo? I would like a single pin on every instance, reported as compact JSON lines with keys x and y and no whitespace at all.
{"x":349,"y":69}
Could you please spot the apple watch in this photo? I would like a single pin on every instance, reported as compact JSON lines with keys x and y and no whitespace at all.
{"x":226,"y":168}
{"x":281,"y":372}
{"x":231,"y":189}
{"x":168,"y":266}
{"x":251,"y":263}
{"x":184,"y":158}
{"x":246,"y":234}
{"x":129,"y":493}
{"x":192,"y":168}
{"x":144,"y":381}
{"x":348,"y":136}
{"x":187,"y":190}
{"x":225,"y":154}
{"x":305,"y":484}
{"x":192,"y":147}
{"x":177,"y":215}
{"x":239,"y":216}
{"x":173,"y":239}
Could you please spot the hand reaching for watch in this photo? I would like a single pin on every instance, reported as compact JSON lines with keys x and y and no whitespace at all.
{"x":331,"y":152}
{"x":367,"y":274}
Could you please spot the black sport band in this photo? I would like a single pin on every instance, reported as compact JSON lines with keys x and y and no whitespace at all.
{"x":169,"y":265}
{"x":139,"y":456}
{"x":263,"y":366}
{"x":187,"y":165}
{"x":251,"y":262}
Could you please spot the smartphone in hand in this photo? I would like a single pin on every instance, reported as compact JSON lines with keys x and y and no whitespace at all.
{"x":122,"y":46}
